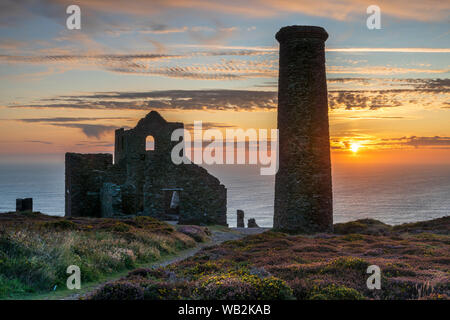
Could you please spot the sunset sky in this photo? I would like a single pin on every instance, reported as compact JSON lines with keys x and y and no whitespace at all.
{"x":217,"y":61}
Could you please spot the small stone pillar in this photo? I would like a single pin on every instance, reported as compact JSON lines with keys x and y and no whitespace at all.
{"x":303,"y":195}
{"x":24,"y":205}
{"x":240,"y":218}
{"x":252,"y":223}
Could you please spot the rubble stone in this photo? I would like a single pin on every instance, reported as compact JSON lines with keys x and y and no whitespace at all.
{"x":24,"y":205}
{"x":240,"y":219}
{"x":252,"y":223}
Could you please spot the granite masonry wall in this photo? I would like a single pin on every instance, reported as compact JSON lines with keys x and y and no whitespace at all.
{"x":143,"y":182}
{"x":203,"y":199}
{"x":85,"y":174}
{"x":303,"y":194}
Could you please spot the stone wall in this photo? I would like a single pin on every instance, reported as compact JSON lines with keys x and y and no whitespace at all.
{"x":85,"y":174}
{"x":131,"y":154}
{"x":111,"y":200}
{"x":203,"y":199}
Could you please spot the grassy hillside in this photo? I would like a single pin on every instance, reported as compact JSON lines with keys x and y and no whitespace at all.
{"x":414,"y":261}
{"x":35,"y":249}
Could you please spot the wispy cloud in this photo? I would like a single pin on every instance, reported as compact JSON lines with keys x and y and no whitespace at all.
{"x":422,"y":92}
{"x":95,"y":144}
{"x":70,"y":119}
{"x":244,"y":100}
{"x":38,"y":141}
{"x":8,"y":44}
{"x":163,"y":29}
{"x":157,"y":64}
{"x":343,"y":143}
{"x":391,"y":50}
{"x":209,"y":125}
{"x":67,"y":58}
{"x":339,"y":10}
{"x":26,"y":141}
{"x":417,"y":141}
{"x":160,"y":64}
{"x":90,"y":130}
{"x":381,"y":70}
{"x":216,"y":47}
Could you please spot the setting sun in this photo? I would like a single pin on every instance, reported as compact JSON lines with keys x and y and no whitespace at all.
{"x":354,"y":147}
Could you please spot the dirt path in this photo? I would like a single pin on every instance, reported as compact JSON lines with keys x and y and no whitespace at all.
{"x":218,"y":236}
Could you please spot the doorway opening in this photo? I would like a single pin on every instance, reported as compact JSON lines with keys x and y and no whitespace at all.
{"x":172,"y":203}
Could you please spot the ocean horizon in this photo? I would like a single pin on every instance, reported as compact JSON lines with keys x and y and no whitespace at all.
{"x":393,"y":194}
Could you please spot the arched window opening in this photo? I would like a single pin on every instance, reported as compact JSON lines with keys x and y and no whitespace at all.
{"x":149,"y":143}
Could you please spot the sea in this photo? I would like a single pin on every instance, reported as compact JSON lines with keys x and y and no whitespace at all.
{"x":393,"y":194}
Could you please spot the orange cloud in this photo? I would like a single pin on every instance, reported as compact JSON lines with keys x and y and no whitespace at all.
{"x":380,"y":70}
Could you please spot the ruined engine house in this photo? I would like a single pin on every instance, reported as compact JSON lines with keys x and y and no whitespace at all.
{"x":142,"y":181}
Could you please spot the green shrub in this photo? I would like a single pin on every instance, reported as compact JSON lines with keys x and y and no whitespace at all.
{"x":334,"y":292}
{"x":362,"y":226}
{"x":349,"y":227}
{"x":120,"y":227}
{"x":60,"y":225}
{"x":398,"y":270}
{"x":353,"y":237}
{"x":345,"y":264}
{"x":154,"y":225}
{"x":201,"y":269}
{"x":147,"y":273}
{"x":8,"y":286}
{"x":165,"y":290}
{"x":398,"y":289}
{"x":119,"y":291}
{"x":34,"y":257}
{"x":24,"y":266}
{"x":244,"y":287}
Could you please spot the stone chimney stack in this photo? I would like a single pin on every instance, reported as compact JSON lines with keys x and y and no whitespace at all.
{"x":303,"y":194}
